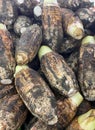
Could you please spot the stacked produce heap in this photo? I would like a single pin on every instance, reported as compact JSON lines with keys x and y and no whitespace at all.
{"x":47,"y":65}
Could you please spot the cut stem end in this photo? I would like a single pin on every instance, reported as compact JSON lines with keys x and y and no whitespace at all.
{"x":2,"y":26}
{"x":50,"y":2}
{"x":19,"y":68}
{"x":43,"y":50}
{"x":77,"y":99}
{"x":87,"y":120}
{"x":88,"y":40}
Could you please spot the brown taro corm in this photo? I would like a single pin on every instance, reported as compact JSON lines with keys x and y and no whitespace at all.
{"x":86,"y":70}
{"x":85,"y":121}
{"x":21,"y":23}
{"x":58,"y":73}
{"x":7,"y":60}
{"x":69,"y":45}
{"x":36,"y":94}
{"x":26,"y":6}
{"x":8,"y":12}
{"x":86,"y":15}
{"x":52,"y":25}
{"x":72,"y":24}
{"x":76,"y":4}
{"x":67,"y":108}
{"x":71,"y":4}
{"x":28,"y":44}
{"x":12,"y":113}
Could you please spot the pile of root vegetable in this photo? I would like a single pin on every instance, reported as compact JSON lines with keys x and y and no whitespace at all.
{"x":47,"y":65}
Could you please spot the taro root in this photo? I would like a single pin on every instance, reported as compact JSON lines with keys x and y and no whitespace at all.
{"x":83,"y":122}
{"x":36,"y":94}
{"x":52,"y":25}
{"x":58,"y":73}
{"x":35,"y":124}
{"x":72,"y":24}
{"x":71,"y":4}
{"x":86,"y":15}
{"x":84,"y":107}
{"x":69,"y":45}
{"x":67,"y":108}
{"x":21,"y":23}
{"x":26,"y":6}
{"x":8,"y":12}
{"x":75,"y":4}
{"x":86,"y":70}
{"x":12,"y":113}
{"x":28,"y":45}
{"x":7,"y":61}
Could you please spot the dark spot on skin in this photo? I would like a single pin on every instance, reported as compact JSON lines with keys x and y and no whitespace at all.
{"x":12,"y":106}
{"x":22,"y":108}
{"x":37,"y":92}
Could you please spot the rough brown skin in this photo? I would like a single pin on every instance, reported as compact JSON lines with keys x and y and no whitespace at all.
{"x":58,"y":73}
{"x":22,"y":22}
{"x":12,"y":115}
{"x":69,"y":45}
{"x":7,"y":61}
{"x":6,"y":90}
{"x":86,"y":75}
{"x":74,"y":125}
{"x":72,"y":4}
{"x":8,"y":12}
{"x":69,"y":18}
{"x":66,"y":111}
{"x":86,"y":15}
{"x":36,"y":95}
{"x":75,"y":4}
{"x":39,"y":125}
{"x":28,"y":45}
{"x":52,"y":27}
{"x":84,"y":107}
